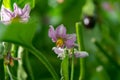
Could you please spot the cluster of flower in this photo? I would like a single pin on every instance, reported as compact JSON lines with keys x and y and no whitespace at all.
{"x":64,"y":42}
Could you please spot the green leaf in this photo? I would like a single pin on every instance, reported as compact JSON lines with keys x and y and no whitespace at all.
{"x":18,"y":33}
{"x":22,"y":34}
{"x":23,"y":2}
{"x":65,"y":68}
{"x":7,"y":4}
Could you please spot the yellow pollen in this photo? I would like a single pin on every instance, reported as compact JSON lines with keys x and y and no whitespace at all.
{"x":59,"y":42}
{"x":16,"y":19}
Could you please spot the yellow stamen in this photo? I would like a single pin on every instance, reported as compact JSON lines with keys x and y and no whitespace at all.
{"x":16,"y":19}
{"x":60,"y":42}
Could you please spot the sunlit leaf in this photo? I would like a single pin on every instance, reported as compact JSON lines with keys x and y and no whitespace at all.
{"x":18,"y":33}
{"x":23,"y":2}
{"x":9,"y":3}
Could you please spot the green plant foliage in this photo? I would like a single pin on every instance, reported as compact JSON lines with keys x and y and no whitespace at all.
{"x":22,"y":34}
{"x":1,"y":1}
{"x":18,"y":33}
{"x":104,"y":57}
{"x":21,"y":3}
{"x":2,"y":73}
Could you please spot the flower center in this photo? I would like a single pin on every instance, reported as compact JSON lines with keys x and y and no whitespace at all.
{"x":60,"y":42}
{"x":16,"y":19}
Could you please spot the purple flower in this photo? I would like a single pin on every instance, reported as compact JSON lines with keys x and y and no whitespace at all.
{"x":64,"y":42}
{"x":60,"y":37}
{"x":21,"y":15}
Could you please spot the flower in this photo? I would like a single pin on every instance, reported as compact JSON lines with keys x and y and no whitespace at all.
{"x":21,"y":15}
{"x":64,"y":42}
{"x":60,"y":37}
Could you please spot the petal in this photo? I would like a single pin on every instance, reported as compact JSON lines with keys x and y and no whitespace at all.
{"x":81,"y":54}
{"x":61,"y":31}
{"x":6,"y":22}
{"x":71,"y":37}
{"x":6,"y":15}
{"x":9,"y":13}
{"x":26,"y":11}
{"x":70,"y":40}
{"x":24,"y":20}
{"x":59,"y":51}
{"x":52,"y":33}
{"x":17,"y":10}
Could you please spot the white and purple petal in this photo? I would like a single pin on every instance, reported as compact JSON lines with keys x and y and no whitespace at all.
{"x":52,"y":33}
{"x":70,"y":40}
{"x":7,"y":12}
{"x":6,"y":15}
{"x":17,"y":10}
{"x":61,"y":31}
{"x":59,"y":51}
{"x":81,"y":54}
{"x":24,"y":20}
{"x":71,"y":37}
{"x":26,"y":11}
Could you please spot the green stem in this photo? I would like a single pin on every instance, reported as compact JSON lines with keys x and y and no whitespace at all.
{"x":10,"y":75}
{"x":29,"y":67}
{"x":79,"y":31}
{"x":72,"y":65}
{"x":2,"y":73}
{"x":65,"y":68}
{"x":6,"y":69}
{"x":21,"y":74}
{"x":106,"y":54}
{"x":44,"y":60}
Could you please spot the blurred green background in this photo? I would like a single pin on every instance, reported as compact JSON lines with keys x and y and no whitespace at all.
{"x":106,"y":32}
{"x":68,"y":12}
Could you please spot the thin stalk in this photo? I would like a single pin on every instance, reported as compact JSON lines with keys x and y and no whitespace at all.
{"x":28,"y":65}
{"x":2,"y":72}
{"x":72,"y":66}
{"x":65,"y":67}
{"x":21,"y":74}
{"x":106,"y":54}
{"x":45,"y":61}
{"x":10,"y":75}
{"x":79,"y":33}
{"x":6,"y":69}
